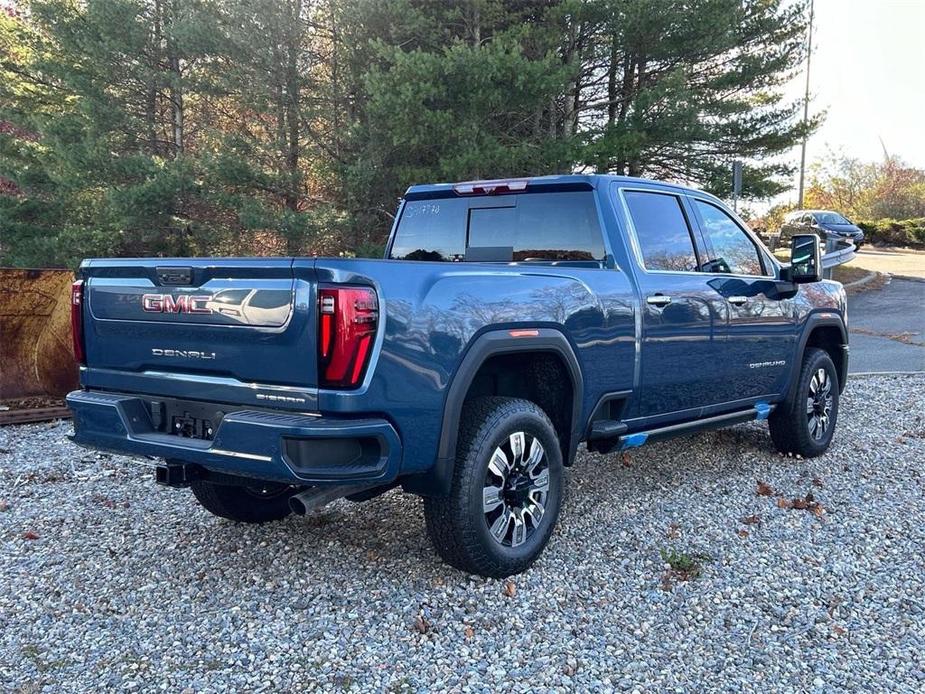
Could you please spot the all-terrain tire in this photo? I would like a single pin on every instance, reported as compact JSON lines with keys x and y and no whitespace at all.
{"x":458,"y":524}
{"x":791,"y":424}
{"x":260,"y":503}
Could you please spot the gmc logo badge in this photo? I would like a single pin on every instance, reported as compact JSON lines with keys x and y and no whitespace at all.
{"x":167,"y":303}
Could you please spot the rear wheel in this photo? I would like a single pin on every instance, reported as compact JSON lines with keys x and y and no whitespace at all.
{"x":260,"y":502}
{"x":806,"y":426}
{"x":506,"y":493}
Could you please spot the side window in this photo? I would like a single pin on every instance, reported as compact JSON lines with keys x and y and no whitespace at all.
{"x":731,"y":251}
{"x":540,"y":226}
{"x":662,"y":230}
{"x":431,"y":230}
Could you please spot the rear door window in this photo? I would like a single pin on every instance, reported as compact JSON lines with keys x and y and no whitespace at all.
{"x":662,"y":231}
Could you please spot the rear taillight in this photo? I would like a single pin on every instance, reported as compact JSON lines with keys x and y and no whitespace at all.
{"x":77,"y":321}
{"x":348,"y":317}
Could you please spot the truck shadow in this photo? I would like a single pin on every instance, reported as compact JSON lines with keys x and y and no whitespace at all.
{"x":387,"y":534}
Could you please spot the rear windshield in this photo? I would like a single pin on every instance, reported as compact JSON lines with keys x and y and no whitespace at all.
{"x":528,"y":227}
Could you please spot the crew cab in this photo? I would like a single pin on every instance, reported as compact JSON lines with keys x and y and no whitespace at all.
{"x":510,"y":322}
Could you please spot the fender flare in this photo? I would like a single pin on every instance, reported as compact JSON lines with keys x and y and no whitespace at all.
{"x":813,"y":321}
{"x":438,"y":480}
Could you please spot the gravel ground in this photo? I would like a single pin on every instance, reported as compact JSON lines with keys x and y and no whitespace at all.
{"x":107,"y":581}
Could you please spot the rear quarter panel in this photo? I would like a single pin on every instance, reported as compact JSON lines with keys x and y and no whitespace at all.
{"x":432,"y":312}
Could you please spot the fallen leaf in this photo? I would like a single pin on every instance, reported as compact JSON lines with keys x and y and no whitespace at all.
{"x":799,"y":504}
{"x":783,"y":503}
{"x":30,"y":535}
{"x":840,"y":631}
{"x":742,"y":533}
{"x":626,"y":458}
{"x":421,"y":624}
{"x":674,"y":531}
{"x":4,"y":506}
{"x":817,"y":482}
{"x":510,"y":589}
{"x":764,"y":489}
{"x":752,"y":520}
{"x":470,"y":632}
{"x":818,"y":510}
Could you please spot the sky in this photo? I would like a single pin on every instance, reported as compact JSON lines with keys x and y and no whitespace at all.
{"x":868,"y":74}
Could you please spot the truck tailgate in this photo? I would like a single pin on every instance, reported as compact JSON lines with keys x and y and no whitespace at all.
{"x":237,"y":330}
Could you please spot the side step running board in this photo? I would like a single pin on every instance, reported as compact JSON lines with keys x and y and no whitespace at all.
{"x":606,"y":429}
{"x":760,"y":411}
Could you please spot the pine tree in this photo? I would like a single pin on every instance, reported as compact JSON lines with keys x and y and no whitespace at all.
{"x":292,"y":126}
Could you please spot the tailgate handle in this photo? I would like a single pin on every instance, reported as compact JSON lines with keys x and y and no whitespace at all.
{"x":174,"y":275}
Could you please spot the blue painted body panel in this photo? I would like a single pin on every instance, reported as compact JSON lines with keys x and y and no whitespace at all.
{"x":677,"y":365}
{"x":247,"y":442}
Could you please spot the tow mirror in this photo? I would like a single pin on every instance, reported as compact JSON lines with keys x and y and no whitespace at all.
{"x":805,"y":259}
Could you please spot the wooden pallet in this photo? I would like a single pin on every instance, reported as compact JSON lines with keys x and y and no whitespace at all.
{"x":36,"y":414}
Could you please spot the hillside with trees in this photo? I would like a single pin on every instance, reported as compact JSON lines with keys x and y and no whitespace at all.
{"x":206,"y":127}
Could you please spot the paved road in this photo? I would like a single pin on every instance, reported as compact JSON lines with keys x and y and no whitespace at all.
{"x":887,"y":328}
{"x":900,"y":262}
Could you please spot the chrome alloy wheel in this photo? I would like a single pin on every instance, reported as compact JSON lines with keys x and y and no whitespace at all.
{"x":819,"y":404}
{"x":516,"y":488}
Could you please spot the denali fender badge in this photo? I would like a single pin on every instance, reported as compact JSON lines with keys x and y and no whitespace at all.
{"x":182,"y":353}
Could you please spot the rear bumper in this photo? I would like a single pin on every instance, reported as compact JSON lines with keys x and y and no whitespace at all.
{"x":291,"y":448}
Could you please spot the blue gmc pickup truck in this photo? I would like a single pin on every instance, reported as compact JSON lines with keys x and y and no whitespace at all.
{"x":510,"y":321}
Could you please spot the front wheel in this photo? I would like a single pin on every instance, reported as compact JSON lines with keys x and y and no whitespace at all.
{"x":506,"y":492}
{"x":806,"y":425}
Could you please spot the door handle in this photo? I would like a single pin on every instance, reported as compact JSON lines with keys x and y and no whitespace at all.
{"x":737,"y":300}
{"x":658,"y":300}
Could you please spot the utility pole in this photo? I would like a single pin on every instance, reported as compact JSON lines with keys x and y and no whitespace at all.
{"x":809,"y":56}
{"x":736,"y":184}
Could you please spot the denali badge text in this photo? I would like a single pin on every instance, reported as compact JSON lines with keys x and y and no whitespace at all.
{"x":167,"y":303}
{"x":766,"y":364}
{"x":279,"y":398}
{"x":182,"y":353}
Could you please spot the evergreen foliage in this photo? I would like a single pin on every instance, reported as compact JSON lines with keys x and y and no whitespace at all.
{"x":206,"y":127}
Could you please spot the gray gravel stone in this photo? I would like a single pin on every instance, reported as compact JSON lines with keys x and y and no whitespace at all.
{"x":128,"y":585}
